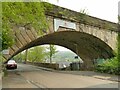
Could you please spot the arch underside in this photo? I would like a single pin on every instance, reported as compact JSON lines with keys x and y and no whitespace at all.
{"x":89,"y":47}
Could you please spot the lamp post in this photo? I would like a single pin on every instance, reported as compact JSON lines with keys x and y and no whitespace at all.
{"x":77,"y":57}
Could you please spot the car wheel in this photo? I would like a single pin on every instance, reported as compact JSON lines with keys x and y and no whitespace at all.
{"x":15,"y":67}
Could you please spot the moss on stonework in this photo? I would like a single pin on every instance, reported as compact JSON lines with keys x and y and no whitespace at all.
{"x":64,"y":13}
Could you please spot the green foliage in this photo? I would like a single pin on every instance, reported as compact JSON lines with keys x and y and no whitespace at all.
{"x":51,"y":52}
{"x":0,"y":27}
{"x":7,"y":38}
{"x":83,"y":16}
{"x":36,"y":54}
{"x":112,"y":65}
{"x":109,"y":66}
{"x":19,"y":57}
{"x":21,"y":14}
{"x":64,"y":56}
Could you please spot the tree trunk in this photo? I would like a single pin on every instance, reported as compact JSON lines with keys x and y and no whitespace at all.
{"x":26,"y":55}
{"x":50,"y":53}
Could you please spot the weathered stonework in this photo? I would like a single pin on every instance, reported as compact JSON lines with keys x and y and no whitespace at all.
{"x":93,"y":41}
{"x":109,"y":37}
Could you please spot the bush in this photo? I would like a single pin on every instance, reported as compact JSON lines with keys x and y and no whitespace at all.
{"x":109,"y":66}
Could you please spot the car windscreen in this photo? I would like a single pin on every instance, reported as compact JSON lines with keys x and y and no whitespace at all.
{"x":11,"y":62}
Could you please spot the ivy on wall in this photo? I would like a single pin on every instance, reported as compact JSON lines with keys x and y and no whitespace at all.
{"x":22,"y":14}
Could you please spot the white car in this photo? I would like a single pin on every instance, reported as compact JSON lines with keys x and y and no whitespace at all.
{"x":11,"y":64}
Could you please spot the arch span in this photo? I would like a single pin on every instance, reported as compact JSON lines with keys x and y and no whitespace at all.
{"x":87,"y":46}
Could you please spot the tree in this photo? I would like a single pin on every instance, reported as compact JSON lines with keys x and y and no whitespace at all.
{"x":26,"y":55}
{"x":21,"y":14}
{"x":20,"y":57}
{"x":36,"y":54}
{"x":51,"y":52}
{"x":7,"y":38}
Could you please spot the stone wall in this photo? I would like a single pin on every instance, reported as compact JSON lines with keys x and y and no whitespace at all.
{"x":46,"y":65}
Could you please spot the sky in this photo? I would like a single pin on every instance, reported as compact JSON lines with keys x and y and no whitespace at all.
{"x":104,"y":9}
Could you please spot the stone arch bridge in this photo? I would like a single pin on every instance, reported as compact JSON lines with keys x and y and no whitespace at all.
{"x":87,"y":36}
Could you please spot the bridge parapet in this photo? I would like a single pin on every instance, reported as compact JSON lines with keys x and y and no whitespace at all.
{"x":66,"y":14}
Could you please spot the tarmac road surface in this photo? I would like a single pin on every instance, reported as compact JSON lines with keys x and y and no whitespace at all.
{"x":28,"y":76}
